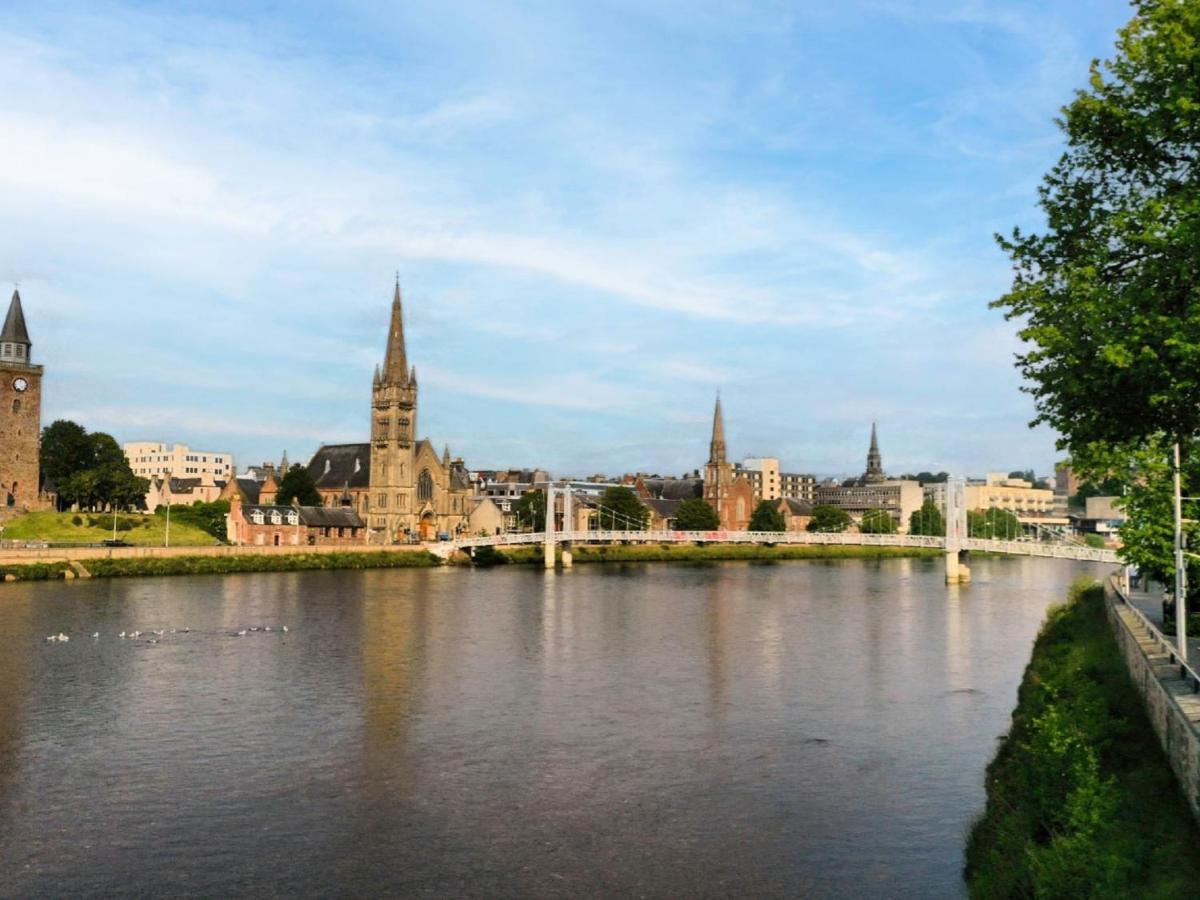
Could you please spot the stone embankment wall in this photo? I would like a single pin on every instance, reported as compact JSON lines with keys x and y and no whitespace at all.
{"x":18,"y":556}
{"x":1171,"y":701}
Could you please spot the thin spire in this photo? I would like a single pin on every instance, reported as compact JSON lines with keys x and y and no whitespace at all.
{"x":395,"y":363}
{"x":874,"y":473}
{"x":15,"y":331}
{"x":716,"y":448}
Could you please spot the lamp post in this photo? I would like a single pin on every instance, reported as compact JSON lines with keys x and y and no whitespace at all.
{"x":1180,"y":571}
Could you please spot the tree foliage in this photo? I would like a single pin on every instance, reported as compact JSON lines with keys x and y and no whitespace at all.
{"x":622,"y":510}
{"x":1107,"y":294}
{"x":66,"y":449}
{"x":298,"y":485}
{"x":877,"y":521}
{"x":98,"y":475}
{"x":208,"y":517}
{"x":928,"y":520}
{"x":531,"y":511}
{"x":829,"y":518}
{"x":767,"y":517}
{"x":994,"y":524}
{"x":694,"y":514}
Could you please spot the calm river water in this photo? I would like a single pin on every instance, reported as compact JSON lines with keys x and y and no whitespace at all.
{"x":812,"y":729}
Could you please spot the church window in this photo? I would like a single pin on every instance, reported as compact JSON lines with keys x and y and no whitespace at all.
{"x":16,"y":406}
{"x":425,"y":486}
{"x":402,"y":500}
{"x":382,"y":501}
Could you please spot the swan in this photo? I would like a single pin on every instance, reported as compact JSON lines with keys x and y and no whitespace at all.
{"x":121,"y":635}
{"x":285,"y":628}
{"x":95,"y":634}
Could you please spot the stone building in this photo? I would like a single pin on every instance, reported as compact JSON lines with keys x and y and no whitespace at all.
{"x":150,"y":459}
{"x":413,"y":494}
{"x":342,"y":473}
{"x":730,"y":494}
{"x":20,"y":417}
{"x":874,"y":490}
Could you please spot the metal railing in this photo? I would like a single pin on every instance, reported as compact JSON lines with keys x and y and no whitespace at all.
{"x":1186,"y":672}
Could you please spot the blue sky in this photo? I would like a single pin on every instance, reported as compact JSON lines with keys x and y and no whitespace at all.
{"x":601,"y":213}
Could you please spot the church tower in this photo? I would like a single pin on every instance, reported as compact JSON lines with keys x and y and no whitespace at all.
{"x":718,"y":473}
{"x":393,"y":433}
{"x":874,"y":473}
{"x":20,"y":414}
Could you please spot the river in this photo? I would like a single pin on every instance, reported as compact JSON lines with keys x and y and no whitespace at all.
{"x":815,"y":729}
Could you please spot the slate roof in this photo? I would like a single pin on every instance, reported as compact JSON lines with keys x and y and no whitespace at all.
{"x":312,"y":516}
{"x":14,"y":330}
{"x":675,"y":488}
{"x":334,"y":466}
{"x":250,"y":488}
{"x":665,"y":509}
{"x":798,"y":507}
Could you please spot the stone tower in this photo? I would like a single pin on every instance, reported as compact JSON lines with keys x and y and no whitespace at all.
{"x":718,"y":473}
{"x":393,"y":432}
{"x":20,"y":414}
{"x":874,"y":473}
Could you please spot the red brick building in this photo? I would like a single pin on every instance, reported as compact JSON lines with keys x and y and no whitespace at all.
{"x":293,"y":526}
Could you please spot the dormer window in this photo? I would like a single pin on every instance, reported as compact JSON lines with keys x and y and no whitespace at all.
{"x":276,"y":518}
{"x":257,"y":517}
{"x":293,"y":519}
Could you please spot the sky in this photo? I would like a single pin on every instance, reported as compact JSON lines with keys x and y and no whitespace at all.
{"x":601,"y":215}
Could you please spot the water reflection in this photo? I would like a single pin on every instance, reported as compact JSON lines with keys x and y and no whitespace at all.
{"x":661,"y":730}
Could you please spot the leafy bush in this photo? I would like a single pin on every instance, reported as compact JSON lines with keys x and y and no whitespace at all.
{"x":76,"y":521}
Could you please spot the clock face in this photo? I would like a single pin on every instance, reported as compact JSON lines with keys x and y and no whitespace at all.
{"x":20,"y":384}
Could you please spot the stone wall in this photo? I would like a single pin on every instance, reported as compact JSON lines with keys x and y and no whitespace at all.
{"x":20,"y":556}
{"x":1171,"y":701}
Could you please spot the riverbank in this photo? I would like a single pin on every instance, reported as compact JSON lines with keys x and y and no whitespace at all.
{"x":117,"y":567}
{"x":1081,"y":800}
{"x":586,"y":553}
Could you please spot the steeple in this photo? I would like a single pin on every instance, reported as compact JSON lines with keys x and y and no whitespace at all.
{"x":446,"y":456}
{"x":395,"y":363}
{"x":716,"y":448}
{"x":874,"y":473}
{"x":14,"y":337}
{"x":283,"y":464}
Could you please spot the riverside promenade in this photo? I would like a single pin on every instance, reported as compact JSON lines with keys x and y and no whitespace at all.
{"x":1149,"y":602}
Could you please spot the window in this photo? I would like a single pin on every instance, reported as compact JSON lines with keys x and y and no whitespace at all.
{"x":276,"y":518}
{"x":16,"y":406}
{"x":293,"y":519}
{"x":381,"y":501}
{"x":425,"y":486}
{"x":257,"y":517}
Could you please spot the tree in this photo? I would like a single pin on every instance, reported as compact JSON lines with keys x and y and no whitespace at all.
{"x":1026,"y":475}
{"x":877,"y":521}
{"x":927,"y":520}
{"x":1107,"y":294}
{"x":930,"y":478}
{"x":767,"y":517}
{"x":621,"y":510}
{"x":298,"y":485}
{"x":66,"y":449}
{"x":829,"y":518}
{"x":694,"y":514}
{"x":531,"y":511}
{"x":994,"y":524}
{"x":208,"y":517}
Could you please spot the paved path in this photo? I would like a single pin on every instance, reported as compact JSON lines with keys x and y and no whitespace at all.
{"x":1150,"y":603}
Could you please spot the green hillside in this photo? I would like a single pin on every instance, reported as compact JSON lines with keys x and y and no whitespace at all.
{"x":91,"y":528}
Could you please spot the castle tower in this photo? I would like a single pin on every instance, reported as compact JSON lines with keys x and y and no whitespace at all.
{"x":874,"y":473}
{"x":20,"y":414}
{"x":393,"y":432}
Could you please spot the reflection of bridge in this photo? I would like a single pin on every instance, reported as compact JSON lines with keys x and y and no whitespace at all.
{"x":1050,"y":549}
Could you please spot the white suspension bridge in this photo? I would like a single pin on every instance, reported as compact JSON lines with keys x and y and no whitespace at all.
{"x":955,"y":544}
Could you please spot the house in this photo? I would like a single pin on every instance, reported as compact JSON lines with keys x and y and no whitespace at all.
{"x":293,"y":526}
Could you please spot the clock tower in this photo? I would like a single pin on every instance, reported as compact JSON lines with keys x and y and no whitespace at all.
{"x":20,"y":415}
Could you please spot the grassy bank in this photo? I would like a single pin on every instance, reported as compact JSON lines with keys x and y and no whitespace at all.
{"x":714,"y":552}
{"x":291,"y":562}
{"x":91,"y":528}
{"x":34,"y":571}
{"x":1081,"y":801}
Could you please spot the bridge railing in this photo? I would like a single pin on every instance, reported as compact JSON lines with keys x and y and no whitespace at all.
{"x":1186,"y":672}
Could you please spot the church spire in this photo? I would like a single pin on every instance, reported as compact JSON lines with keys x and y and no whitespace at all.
{"x":874,"y":473}
{"x":395,"y":363}
{"x":716,"y":448}
{"x":14,"y":337}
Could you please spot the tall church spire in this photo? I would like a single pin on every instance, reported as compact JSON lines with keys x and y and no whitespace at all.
{"x":874,"y":473}
{"x":14,"y":337}
{"x":395,"y":363}
{"x":716,"y":448}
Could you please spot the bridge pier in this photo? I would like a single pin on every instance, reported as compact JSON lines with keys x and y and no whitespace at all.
{"x":957,"y":572}
{"x":568,"y":527}
{"x":548,"y":545}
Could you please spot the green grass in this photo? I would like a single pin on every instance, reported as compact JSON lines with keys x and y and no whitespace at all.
{"x":142,"y":531}
{"x":289,"y":562}
{"x":1081,"y":800}
{"x":34,"y":571}
{"x":713,"y":552}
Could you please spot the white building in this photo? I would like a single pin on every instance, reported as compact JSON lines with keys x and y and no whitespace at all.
{"x":155,"y":460}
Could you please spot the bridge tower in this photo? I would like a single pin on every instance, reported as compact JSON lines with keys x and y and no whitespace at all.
{"x":548,"y":545}
{"x":956,"y":532}
{"x":568,"y":527}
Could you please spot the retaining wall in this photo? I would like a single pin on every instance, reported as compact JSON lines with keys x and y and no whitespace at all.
{"x":24,"y":556}
{"x":1170,"y":700}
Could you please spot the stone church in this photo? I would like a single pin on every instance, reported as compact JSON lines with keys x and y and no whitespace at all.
{"x":20,"y":416}
{"x":397,"y":482}
{"x":726,"y":491}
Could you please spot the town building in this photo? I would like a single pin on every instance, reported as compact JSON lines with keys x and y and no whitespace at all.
{"x":727,"y":492}
{"x":149,"y":459}
{"x":797,"y":486}
{"x":21,"y":488}
{"x":796,"y":513}
{"x":1066,"y":486}
{"x":763,"y":474}
{"x":166,"y":491}
{"x":1031,"y":505}
{"x":342,"y":473}
{"x":292,"y":526}
{"x":900,"y":498}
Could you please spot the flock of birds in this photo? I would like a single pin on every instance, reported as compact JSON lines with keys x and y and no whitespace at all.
{"x":153,"y":637}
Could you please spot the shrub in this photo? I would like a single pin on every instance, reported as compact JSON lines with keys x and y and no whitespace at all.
{"x":76,"y":521}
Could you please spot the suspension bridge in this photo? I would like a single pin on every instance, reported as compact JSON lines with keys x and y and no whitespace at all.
{"x":956,"y":544}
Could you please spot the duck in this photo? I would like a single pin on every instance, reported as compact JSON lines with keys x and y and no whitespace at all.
{"x":95,"y":634}
{"x":284,"y":629}
{"x":63,"y":637}
{"x":242,"y":633}
{"x":121,"y":635}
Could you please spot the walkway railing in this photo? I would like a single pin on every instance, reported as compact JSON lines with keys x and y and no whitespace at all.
{"x":1186,"y":672}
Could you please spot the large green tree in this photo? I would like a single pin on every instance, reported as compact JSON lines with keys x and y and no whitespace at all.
{"x":993,"y":523}
{"x":107,"y":482}
{"x":928,"y":520}
{"x":877,"y":521}
{"x":829,"y":518}
{"x":531,"y":511}
{"x":767,"y":517}
{"x":66,"y":449}
{"x":620,"y":509}
{"x":298,"y":485}
{"x":694,"y":514}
